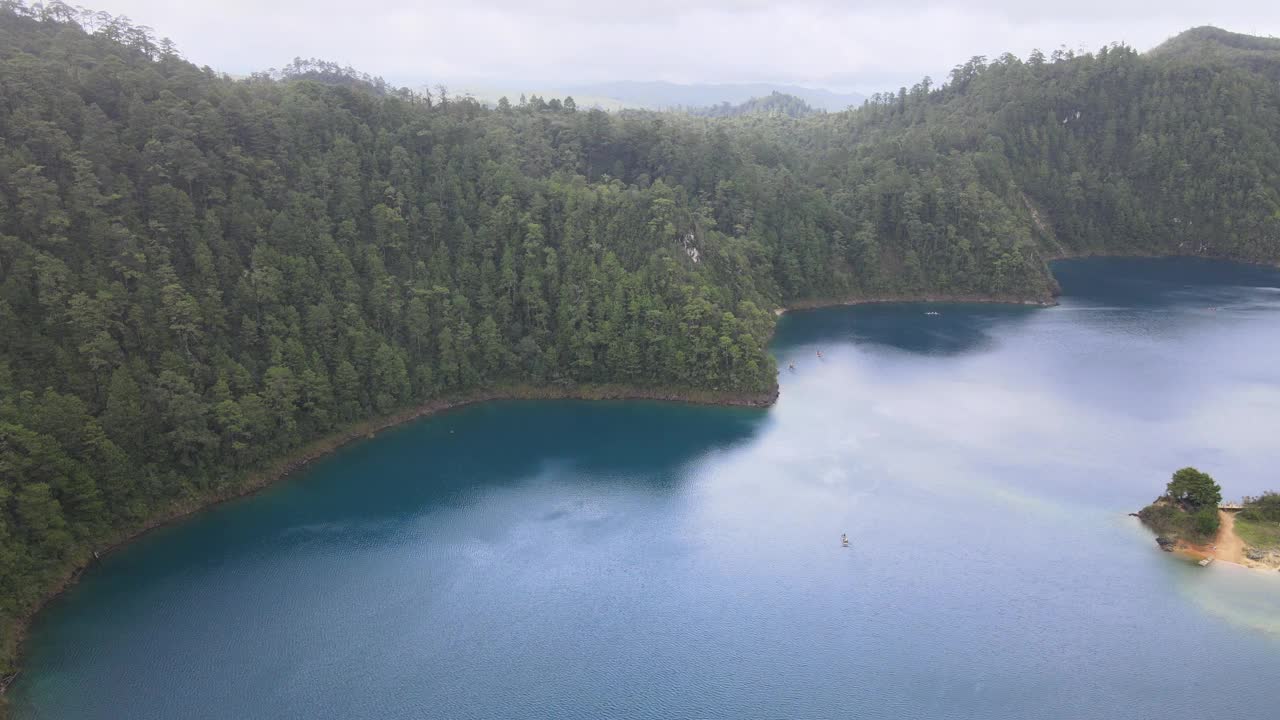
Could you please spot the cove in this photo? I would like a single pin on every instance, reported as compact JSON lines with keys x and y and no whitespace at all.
{"x":632,"y":559}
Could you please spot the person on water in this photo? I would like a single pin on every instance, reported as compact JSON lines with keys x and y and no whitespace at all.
{"x":791,"y":366}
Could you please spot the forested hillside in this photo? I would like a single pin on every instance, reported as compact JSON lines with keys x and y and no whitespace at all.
{"x":200,"y":274}
{"x":1115,"y":152}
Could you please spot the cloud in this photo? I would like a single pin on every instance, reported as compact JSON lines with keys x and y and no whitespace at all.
{"x":867,"y":45}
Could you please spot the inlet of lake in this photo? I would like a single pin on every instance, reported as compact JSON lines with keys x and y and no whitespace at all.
{"x":586,"y":560}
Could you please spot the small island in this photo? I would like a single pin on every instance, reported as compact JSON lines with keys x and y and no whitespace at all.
{"x":1191,"y":519}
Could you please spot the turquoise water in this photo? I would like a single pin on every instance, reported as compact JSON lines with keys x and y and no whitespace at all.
{"x":591,"y":560}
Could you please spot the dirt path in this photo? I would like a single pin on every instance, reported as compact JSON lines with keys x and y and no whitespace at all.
{"x":1229,"y":546}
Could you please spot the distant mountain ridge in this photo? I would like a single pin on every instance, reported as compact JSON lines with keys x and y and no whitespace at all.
{"x":659,"y":95}
{"x":1209,"y":36}
{"x":1207,"y":44}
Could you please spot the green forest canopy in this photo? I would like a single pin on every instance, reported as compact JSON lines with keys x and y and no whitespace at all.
{"x":199,"y":274}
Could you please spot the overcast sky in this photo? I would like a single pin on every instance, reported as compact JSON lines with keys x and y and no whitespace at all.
{"x":863,"y":45}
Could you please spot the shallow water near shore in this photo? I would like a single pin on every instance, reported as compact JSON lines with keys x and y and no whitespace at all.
{"x":632,"y":559}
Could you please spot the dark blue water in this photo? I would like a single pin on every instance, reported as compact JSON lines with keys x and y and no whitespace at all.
{"x":591,"y":560}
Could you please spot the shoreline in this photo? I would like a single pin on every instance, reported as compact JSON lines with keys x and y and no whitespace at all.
{"x":298,"y":459}
{"x":818,"y":304}
{"x":304,"y":455}
{"x":1157,"y":256}
{"x":280,"y":470}
{"x":285,"y":467}
{"x":1227,"y":547}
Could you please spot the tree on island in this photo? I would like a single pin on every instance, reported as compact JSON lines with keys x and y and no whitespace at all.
{"x":1188,"y":509}
{"x":1194,"y":490}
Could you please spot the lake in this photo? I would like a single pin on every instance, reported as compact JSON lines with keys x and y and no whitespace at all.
{"x":624,"y":559}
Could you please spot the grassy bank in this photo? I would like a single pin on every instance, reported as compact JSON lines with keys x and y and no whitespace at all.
{"x":1258,"y":524}
{"x":1260,"y":535}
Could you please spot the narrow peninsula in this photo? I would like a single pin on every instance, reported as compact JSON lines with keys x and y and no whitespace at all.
{"x":1191,"y":519}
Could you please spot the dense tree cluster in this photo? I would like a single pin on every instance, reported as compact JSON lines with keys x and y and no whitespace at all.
{"x":1193,"y":489}
{"x":1262,"y":509}
{"x":198,"y":274}
{"x":1188,"y":510}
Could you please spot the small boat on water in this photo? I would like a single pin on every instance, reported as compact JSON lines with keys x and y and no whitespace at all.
{"x":1205,"y":562}
{"x":933,"y":312}
{"x":844,"y":539}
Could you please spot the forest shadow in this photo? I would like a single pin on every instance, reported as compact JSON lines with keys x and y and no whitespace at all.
{"x":366,"y":492}
{"x":930,"y":329}
{"x":1162,"y":282}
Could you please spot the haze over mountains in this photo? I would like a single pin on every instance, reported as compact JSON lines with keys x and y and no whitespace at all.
{"x":659,"y":95}
{"x":541,"y":45}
